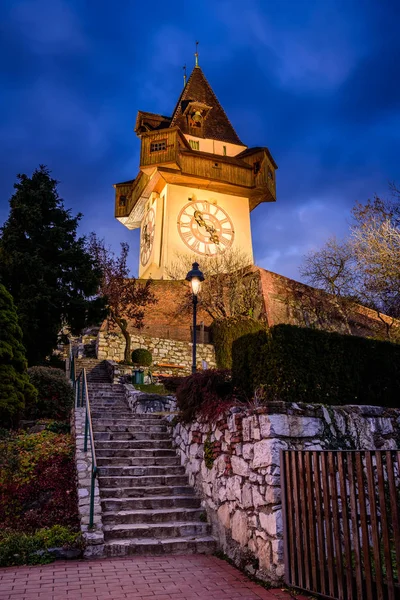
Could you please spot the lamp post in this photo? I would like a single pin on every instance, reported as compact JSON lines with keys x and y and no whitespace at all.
{"x":195,"y":276}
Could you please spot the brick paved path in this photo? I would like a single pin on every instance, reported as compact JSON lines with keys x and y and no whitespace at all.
{"x":191,"y":577}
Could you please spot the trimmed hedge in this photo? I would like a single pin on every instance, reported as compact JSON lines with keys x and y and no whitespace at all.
{"x":142,"y":357}
{"x":225,"y":331}
{"x":298,"y":364}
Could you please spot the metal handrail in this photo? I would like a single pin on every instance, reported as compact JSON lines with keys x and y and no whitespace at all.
{"x":82,"y":399}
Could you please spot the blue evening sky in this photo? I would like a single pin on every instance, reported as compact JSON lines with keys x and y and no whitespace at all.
{"x":317,"y":81}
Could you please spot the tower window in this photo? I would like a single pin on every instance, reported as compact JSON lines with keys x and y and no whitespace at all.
{"x":256,"y":167}
{"x":270,"y":175}
{"x":158,"y":146}
{"x":224,"y":150}
{"x":194,"y":144}
{"x":122,"y":200}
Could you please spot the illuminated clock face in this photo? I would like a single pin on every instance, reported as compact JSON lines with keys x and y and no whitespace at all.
{"x":205,"y":228}
{"x":147,"y":236}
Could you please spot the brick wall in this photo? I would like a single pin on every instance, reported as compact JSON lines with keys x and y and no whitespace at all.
{"x":285,"y":301}
{"x":171,"y":317}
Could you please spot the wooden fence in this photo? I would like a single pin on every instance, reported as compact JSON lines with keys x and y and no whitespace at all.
{"x":341,"y":513}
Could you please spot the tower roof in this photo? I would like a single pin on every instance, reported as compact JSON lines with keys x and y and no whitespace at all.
{"x":216,"y":125}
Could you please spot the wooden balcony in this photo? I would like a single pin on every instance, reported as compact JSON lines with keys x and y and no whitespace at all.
{"x":166,"y":157}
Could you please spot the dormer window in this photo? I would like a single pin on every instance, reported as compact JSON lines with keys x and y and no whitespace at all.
{"x":196,"y":119}
{"x":158,"y":146}
{"x":194,"y":144}
{"x":196,"y":113}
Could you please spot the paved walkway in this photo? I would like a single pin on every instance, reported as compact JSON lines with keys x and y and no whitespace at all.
{"x":191,"y":577}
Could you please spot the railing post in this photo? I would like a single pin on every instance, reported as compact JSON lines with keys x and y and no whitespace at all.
{"x":91,"y":513}
{"x":86,"y":431}
{"x":78,"y":388}
{"x":83,"y":392}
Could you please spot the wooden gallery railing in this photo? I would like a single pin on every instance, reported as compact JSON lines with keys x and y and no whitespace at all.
{"x":82,"y":400}
{"x":341,"y":513}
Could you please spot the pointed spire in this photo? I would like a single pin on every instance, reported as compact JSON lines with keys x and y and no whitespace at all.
{"x":217,"y":125}
{"x":184,"y":76}
{"x":196,"y":55}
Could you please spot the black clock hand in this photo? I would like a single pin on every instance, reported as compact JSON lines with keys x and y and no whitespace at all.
{"x":209,"y":228}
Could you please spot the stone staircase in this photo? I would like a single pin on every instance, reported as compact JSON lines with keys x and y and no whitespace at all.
{"x":147,"y":505}
{"x":96,"y":370}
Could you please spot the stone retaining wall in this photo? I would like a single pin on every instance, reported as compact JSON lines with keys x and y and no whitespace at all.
{"x":141,"y":402}
{"x":94,"y":537}
{"x":110,"y":345}
{"x":235,"y":466}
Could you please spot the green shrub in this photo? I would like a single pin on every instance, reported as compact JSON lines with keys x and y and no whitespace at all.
{"x":17,"y":548}
{"x":16,"y":392}
{"x":142,"y":357}
{"x":298,"y":364}
{"x":55,"y":395}
{"x":226,"y":331}
{"x":58,"y":427}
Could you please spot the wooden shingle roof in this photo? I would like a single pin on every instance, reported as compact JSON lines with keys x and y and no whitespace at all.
{"x":216,"y":125}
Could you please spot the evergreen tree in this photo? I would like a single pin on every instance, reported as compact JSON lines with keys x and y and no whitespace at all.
{"x":16,"y":392}
{"x":45,"y":266}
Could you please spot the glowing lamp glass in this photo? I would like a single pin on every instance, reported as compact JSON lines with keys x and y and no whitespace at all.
{"x":196,"y":285}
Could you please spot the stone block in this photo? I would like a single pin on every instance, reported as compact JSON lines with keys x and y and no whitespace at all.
{"x":234,"y":488}
{"x":247,"y":495}
{"x":240,"y":466}
{"x":273,"y":494}
{"x":224,"y":515}
{"x":258,"y":498}
{"x":382,"y":425}
{"x":272,"y":523}
{"x":267,"y":452}
{"x":239,"y":527}
{"x":290,"y":426}
{"x":248,"y":451}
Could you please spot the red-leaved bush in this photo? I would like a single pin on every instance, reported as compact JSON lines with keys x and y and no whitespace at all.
{"x":38,"y":485}
{"x":205,"y":395}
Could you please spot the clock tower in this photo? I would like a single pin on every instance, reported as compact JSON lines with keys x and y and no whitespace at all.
{"x":196,"y":185}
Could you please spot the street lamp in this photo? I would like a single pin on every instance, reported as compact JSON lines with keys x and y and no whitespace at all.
{"x":195,"y":276}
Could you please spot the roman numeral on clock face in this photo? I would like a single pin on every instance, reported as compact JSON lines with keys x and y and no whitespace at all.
{"x":187,"y":235}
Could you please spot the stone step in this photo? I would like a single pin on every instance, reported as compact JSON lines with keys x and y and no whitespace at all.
{"x":129,"y":433}
{"x":187,"y":529}
{"x":127,"y":422}
{"x":105,"y":396}
{"x":114,"y":414}
{"x":144,"y":492}
{"x":153,"y":516}
{"x":141,"y":453}
{"x":142,"y":546}
{"x":141,"y":480}
{"x":141,"y":471}
{"x":137,"y":461}
{"x":115,"y":406}
{"x":108,"y":386}
{"x":151,"y":438}
{"x":150,"y":502}
{"x":134,"y":444}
